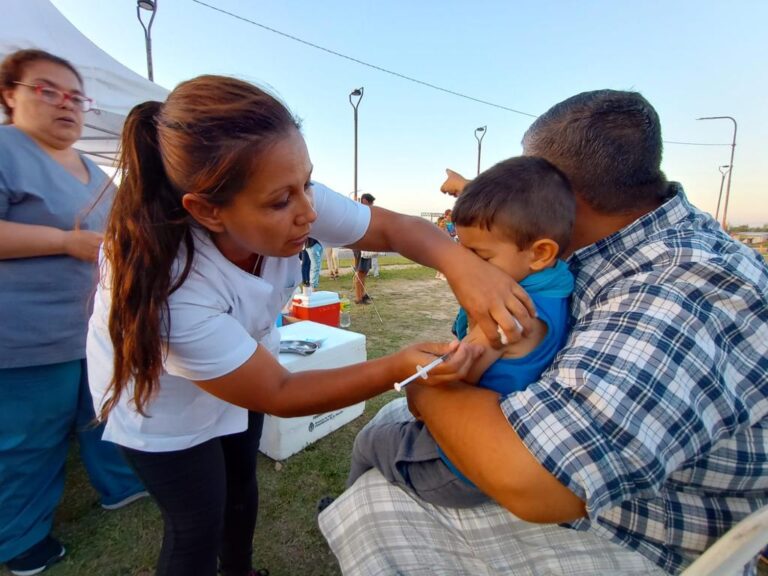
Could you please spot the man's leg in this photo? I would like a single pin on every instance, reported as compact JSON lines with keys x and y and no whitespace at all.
{"x":361,"y":271}
{"x":360,"y":286}
{"x":375,"y":266}
{"x":305,"y":266}
{"x":335,"y":260}
{"x":329,"y":256}
{"x":378,"y":528}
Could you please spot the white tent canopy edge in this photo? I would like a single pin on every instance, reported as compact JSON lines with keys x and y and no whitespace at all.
{"x":114,"y":87}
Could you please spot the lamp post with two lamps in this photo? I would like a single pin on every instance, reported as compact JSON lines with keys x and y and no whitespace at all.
{"x":356,"y":93}
{"x":481,"y":131}
{"x":149,"y":6}
{"x":730,"y":169}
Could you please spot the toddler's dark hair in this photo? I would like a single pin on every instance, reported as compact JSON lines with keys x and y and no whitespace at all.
{"x":525,"y":198}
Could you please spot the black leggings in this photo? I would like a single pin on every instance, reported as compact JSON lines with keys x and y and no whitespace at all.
{"x":208,"y":496}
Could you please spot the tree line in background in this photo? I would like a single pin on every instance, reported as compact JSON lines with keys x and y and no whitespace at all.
{"x":746,"y":228}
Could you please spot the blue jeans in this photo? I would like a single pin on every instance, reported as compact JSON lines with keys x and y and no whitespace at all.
{"x":316,"y":259}
{"x":40,"y":407}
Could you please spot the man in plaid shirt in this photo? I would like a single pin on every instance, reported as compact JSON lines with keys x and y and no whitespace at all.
{"x":646,"y":440}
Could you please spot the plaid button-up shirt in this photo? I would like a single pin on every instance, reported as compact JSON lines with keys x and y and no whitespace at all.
{"x":656,"y":411}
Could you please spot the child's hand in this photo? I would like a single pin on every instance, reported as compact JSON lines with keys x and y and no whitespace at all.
{"x":454,"y":367}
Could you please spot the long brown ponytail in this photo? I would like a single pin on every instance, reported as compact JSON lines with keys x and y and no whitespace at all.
{"x":204,"y":140}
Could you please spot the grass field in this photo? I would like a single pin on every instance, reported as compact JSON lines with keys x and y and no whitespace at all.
{"x":413,"y":306}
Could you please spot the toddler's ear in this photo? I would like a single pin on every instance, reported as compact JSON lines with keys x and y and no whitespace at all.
{"x":543,"y":254}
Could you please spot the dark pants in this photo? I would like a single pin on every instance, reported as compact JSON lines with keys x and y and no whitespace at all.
{"x":208,"y":496}
{"x":406,"y":454}
{"x":306,"y":264}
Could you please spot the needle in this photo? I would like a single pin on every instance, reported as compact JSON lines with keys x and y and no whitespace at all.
{"x":421,"y":372}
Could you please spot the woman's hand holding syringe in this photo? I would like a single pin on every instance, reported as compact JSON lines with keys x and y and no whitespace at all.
{"x":441,"y":362}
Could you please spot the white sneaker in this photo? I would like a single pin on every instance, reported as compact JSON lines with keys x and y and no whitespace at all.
{"x":125,"y":501}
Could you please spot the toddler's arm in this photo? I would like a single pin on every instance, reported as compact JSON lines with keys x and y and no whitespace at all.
{"x":490,"y":354}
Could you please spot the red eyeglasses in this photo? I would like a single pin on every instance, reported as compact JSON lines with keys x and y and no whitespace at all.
{"x":56,"y":97}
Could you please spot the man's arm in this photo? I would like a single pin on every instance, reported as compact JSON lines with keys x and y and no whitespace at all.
{"x":463,"y":418}
{"x":454,"y":183}
{"x":633,"y":383}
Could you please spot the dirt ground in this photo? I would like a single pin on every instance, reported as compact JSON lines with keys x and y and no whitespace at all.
{"x":405,"y":310}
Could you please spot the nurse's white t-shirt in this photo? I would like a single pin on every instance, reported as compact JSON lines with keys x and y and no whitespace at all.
{"x":219,"y":315}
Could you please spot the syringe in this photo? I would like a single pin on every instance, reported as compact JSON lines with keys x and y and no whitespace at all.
{"x":421,"y":372}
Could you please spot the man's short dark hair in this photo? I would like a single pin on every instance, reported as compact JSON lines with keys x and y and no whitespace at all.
{"x":368,"y":198}
{"x":524,"y":198}
{"x":608,"y":144}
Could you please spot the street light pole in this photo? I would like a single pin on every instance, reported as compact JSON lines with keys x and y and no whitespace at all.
{"x":356,"y":93}
{"x":730,"y":170}
{"x":481,"y":130}
{"x":150,"y":6}
{"x":720,"y":195}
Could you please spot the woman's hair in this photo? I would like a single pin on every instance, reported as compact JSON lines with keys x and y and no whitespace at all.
{"x":204,"y":140}
{"x":12,"y":70}
{"x":524,"y":198}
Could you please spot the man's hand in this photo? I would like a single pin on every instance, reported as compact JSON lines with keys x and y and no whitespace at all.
{"x":83,"y":244}
{"x":454,"y":184}
{"x":491,"y":298}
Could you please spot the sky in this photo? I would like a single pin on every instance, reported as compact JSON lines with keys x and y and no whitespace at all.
{"x":689,"y":58}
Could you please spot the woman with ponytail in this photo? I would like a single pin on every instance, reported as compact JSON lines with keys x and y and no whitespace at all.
{"x":199,"y":257}
{"x":49,"y":240}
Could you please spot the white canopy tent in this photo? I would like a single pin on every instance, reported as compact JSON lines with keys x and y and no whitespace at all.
{"x":114,"y":88}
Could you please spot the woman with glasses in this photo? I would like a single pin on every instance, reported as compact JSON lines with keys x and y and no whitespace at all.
{"x":49,"y":240}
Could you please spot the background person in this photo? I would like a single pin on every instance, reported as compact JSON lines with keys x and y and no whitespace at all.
{"x":306,"y":266}
{"x":450,"y":227}
{"x":646,"y":439}
{"x":441,"y":224}
{"x":368,"y":199}
{"x":315,"y":252}
{"x":48,"y":246}
{"x":199,"y":259}
{"x":362,"y":264}
{"x":331,"y":259}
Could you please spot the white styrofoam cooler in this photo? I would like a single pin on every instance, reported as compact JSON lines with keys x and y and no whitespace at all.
{"x":283,"y":437}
